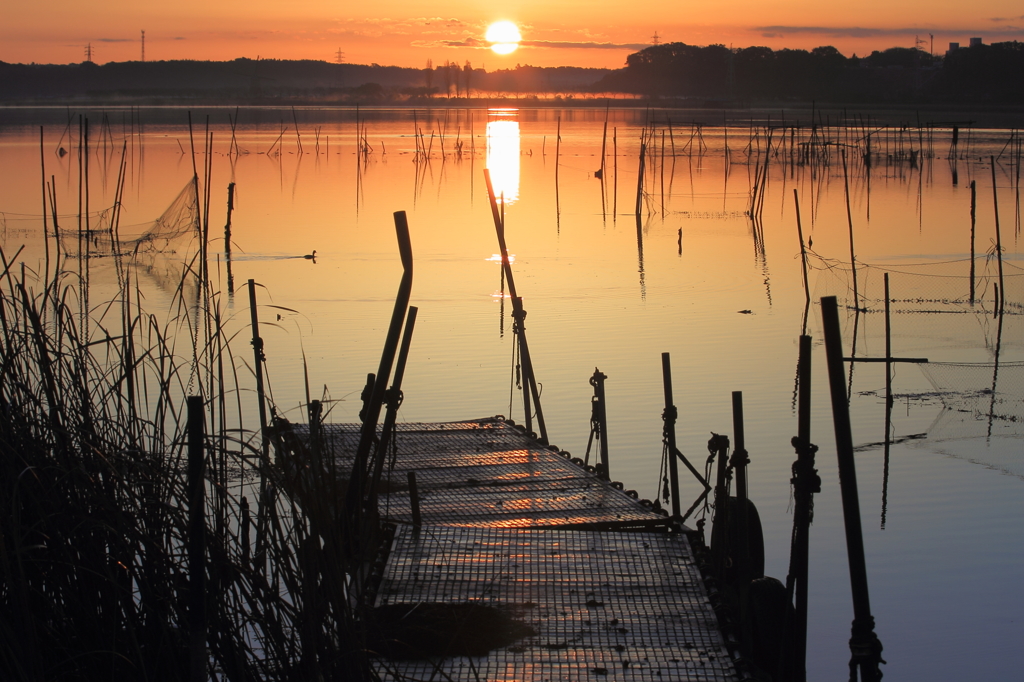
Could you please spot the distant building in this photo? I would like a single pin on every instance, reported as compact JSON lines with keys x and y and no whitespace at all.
{"x":953,"y":47}
{"x":975,"y":42}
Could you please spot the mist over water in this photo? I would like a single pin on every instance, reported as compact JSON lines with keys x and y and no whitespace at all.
{"x":695,"y":277}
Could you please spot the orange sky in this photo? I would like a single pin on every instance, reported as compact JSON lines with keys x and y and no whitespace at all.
{"x":598,"y":33}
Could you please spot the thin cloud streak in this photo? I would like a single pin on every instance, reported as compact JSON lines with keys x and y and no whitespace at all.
{"x":585,"y":45}
{"x":876,"y":32}
{"x":549,"y":44}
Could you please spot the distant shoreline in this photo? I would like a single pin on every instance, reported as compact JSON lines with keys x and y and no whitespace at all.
{"x":164,"y":111}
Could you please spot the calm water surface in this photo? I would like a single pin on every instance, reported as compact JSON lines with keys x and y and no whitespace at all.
{"x":698,"y":279}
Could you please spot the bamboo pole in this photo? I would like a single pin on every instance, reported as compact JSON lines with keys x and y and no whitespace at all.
{"x":803,"y":249}
{"x":974,"y":204}
{"x":849,"y":219}
{"x":999,"y":241}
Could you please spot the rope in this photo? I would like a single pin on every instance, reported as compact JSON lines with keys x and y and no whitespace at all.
{"x":668,"y":416}
{"x":865,"y":650}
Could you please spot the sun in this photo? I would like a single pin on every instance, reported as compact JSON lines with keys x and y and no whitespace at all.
{"x":503,"y":36}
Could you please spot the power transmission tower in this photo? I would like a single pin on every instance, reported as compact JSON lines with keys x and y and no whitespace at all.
{"x":143,"y":46}
{"x":339,"y":57}
{"x":655,"y":39}
{"x":88,"y":52}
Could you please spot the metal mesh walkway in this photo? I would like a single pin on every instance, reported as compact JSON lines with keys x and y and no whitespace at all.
{"x":604,"y":605}
{"x":502,"y":518}
{"x":488,"y":473}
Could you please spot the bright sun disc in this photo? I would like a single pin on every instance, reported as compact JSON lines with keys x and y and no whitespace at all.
{"x":503,"y":36}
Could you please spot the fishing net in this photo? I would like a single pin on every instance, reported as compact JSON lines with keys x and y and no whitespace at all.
{"x":944,"y":312}
{"x":943,"y":305}
{"x":978,"y":399}
{"x":170,"y":232}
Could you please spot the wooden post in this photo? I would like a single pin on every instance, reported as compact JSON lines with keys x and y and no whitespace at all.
{"x":519,"y":318}
{"x":999,"y":241}
{"x":865,"y":647}
{"x":196,"y":541}
{"x":227,"y":237}
{"x":974,"y":203}
{"x":394,"y":400}
{"x":258,"y":358}
{"x":368,"y":434}
{"x":640,"y":175}
{"x":803,"y":250}
{"x":739,"y":461}
{"x":669,"y":416}
{"x":805,"y":483}
{"x":597,"y":381}
{"x":849,"y":219}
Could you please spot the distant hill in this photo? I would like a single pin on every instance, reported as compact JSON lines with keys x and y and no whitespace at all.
{"x":259,"y":80}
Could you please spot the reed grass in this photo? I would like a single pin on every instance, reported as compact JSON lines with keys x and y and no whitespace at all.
{"x":93,"y":529}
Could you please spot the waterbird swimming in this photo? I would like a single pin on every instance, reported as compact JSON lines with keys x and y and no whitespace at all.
{"x":310,"y":256}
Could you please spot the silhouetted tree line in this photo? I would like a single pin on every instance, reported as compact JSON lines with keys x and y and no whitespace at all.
{"x":269,"y":79}
{"x":240,"y":78}
{"x":985,"y":73}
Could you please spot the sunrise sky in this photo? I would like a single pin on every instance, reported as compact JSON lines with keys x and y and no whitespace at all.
{"x":597,"y":33}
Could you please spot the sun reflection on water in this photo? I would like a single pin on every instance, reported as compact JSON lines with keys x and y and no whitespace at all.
{"x":503,"y":153}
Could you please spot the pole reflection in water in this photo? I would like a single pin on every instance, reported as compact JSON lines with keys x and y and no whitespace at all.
{"x":503,"y":153}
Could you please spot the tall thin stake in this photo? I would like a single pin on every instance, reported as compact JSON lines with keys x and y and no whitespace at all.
{"x":803,"y":249}
{"x":974,"y":205}
{"x":849,"y":218}
{"x":999,"y":241}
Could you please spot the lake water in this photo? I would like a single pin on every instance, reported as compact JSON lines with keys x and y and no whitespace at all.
{"x":698,"y":279}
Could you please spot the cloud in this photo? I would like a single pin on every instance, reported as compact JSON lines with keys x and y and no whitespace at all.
{"x":838,"y":31}
{"x":470,"y":41}
{"x":582,"y":45}
{"x":115,"y":40}
{"x":1001,"y":19}
{"x":878,"y":32}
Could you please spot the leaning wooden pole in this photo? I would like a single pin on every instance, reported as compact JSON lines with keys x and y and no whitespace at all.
{"x":368,"y":435}
{"x":531,"y":388}
{"x":865,"y":648}
{"x":394,"y":401}
{"x":258,"y":359}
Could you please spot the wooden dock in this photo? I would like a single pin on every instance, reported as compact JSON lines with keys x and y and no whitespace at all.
{"x":606,"y":587}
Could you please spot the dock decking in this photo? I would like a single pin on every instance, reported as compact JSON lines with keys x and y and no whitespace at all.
{"x":510,"y":523}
